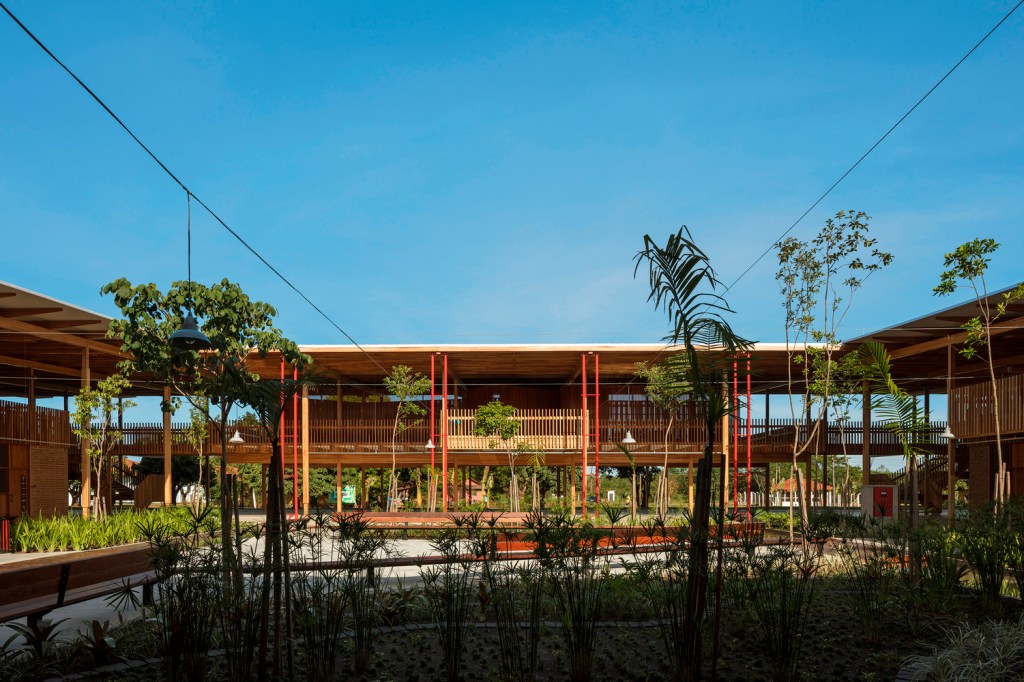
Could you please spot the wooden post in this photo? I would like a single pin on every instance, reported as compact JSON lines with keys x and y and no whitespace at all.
{"x":168,"y":489}
{"x":950,"y":442}
{"x":263,"y":486}
{"x":362,"y":492}
{"x":725,"y":446}
{"x":86,"y":464}
{"x":865,"y":427}
{"x":338,"y":488}
{"x":305,"y":451}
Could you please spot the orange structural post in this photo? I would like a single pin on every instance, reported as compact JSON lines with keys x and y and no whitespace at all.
{"x":295,"y":443}
{"x":583,"y":431}
{"x":280,"y":431}
{"x":735,"y":437}
{"x":444,"y":436}
{"x":748,"y":435}
{"x":597,"y":435}
{"x":433,"y":432}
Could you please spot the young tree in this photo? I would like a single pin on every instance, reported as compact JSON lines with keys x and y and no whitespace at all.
{"x":236,"y":327}
{"x":968,"y":265}
{"x":497,"y":421}
{"x":666,"y":387}
{"x":818,"y":281}
{"x":685,"y":286}
{"x":405,"y":385}
{"x":196,"y":434}
{"x":94,"y":412}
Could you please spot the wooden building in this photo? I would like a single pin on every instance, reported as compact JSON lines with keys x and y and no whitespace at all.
{"x":575,"y":401}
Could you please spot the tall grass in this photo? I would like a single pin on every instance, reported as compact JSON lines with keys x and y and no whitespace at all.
{"x":567,"y":550}
{"x":38,"y":534}
{"x":448,"y":588}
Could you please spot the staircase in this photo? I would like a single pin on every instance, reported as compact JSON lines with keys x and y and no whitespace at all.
{"x":124,"y":480}
{"x":932,"y":478}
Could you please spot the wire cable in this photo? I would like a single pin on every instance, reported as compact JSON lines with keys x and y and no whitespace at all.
{"x":181,"y":184}
{"x":875,"y":145}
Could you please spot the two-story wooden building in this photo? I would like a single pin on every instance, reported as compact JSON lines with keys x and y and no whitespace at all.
{"x":576,"y":402}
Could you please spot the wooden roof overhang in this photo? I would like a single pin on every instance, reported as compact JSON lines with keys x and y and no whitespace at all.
{"x":920,"y":347}
{"x":43,"y":336}
{"x":521,"y":363}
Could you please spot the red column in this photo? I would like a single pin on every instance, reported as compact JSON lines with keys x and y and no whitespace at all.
{"x":444,"y":436}
{"x":748,"y":435}
{"x":735,"y":437}
{"x":597,"y":433}
{"x":583,"y":431}
{"x":295,"y":442}
{"x":433,"y":425}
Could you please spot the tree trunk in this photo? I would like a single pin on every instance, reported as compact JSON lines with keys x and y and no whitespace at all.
{"x":697,"y":575}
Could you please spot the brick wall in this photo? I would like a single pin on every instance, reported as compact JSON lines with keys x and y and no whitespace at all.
{"x":48,"y":474}
{"x":980,"y":476}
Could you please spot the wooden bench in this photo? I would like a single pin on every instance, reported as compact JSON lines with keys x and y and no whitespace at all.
{"x":35,"y":587}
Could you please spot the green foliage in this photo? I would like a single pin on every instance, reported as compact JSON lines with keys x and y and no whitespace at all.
{"x":38,"y":534}
{"x":234,"y":323}
{"x":990,"y":652}
{"x":93,"y":424}
{"x":496,"y":420}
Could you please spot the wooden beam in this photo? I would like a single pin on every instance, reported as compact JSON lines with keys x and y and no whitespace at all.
{"x":63,"y":324}
{"x":936,"y":344}
{"x":41,"y":366}
{"x":28,"y":312}
{"x":61,"y":337}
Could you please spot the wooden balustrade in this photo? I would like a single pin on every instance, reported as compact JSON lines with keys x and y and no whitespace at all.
{"x":973,"y":416}
{"x":549,"y":429}
{"x":51,"y":426}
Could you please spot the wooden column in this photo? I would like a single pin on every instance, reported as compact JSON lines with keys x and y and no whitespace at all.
{"x":725,"y":449}
{"x":362,"y":491}
{"x":305,"y":451}
{"x":865,"y":447}
{"x":950,"y":442}
{"x":168,"y":489}
{"x":263,"y":486}
{"x":338,"y":487}
{"x":86,"y":464}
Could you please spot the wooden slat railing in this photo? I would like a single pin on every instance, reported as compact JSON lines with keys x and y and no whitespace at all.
{"x":51,"y":426}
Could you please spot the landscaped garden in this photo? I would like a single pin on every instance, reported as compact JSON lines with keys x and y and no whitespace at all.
{"x":851,"y":599}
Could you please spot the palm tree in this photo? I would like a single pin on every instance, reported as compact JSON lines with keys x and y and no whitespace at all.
{"x":898,"y":410}
{"x":685,"y":286}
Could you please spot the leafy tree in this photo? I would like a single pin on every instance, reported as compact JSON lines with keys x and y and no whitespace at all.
{"x":497,"y":421}
{"x":405,"y":385}
{"x":818,"y":280}
{"x":94,"y":411}
{"x":685,"y":286}
{"x":666,"y":386}
{"x":235,"y":325}
{"x":968,"y":265}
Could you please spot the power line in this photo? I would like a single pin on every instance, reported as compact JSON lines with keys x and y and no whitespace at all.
{"x":181,"y":184}
{"x":875,"y":145}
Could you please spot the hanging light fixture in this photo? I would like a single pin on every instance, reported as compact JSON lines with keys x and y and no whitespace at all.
{"x":628,"y":440}
{"x":947,"y":434}
{"x":236,"y":439}
{"x":430,"y":444}
{"x":189,"y":337}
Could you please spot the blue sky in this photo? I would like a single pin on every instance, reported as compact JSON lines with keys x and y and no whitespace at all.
{"x":483,"y":172}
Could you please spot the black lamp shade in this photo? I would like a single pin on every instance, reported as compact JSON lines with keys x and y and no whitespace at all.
{"x":189,"y":337}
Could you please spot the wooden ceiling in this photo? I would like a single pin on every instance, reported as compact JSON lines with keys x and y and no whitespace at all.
{"x":497,"y":364}
{"x":44,"y":336}
{"x":920,"y":347}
